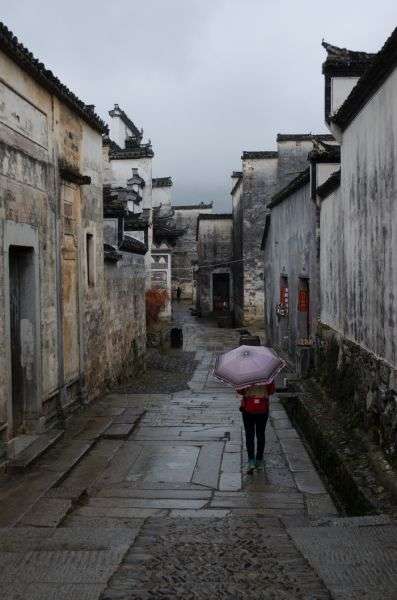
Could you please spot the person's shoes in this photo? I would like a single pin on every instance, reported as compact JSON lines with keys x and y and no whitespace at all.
{"x":251,"y":466}
{"x":259,"y":465}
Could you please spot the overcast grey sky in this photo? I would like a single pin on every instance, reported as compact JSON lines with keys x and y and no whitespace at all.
{"x":206,"y":79}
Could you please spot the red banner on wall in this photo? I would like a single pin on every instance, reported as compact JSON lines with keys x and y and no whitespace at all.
{"x":284,"y":296}
{"x":303,"y":301}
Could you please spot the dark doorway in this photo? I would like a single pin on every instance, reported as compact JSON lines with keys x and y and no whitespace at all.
{"x":22,"y":331}
{"x":221,"y":292}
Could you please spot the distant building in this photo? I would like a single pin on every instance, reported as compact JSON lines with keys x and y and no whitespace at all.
{"x":129,"y":157}
{"x":291,"y":251}
{"x":124,"y":283}
{"x":161,"y":191}
{"x":264,"y":172}
{"x":214,"y":267}
{"x":184,"y":254}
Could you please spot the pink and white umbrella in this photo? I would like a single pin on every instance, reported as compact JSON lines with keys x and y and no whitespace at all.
{"x":248,"y":365}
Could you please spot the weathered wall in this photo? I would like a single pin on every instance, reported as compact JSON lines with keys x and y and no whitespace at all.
{"x":161,"y":196}
{"x":93,"y":331}
{"x":292,"y":159}
{"x":290,"y":252}
{"x":259,"y":180}
{"x":185,"y":250}
{"x":358,"y":349}
{"x":365,"y":257}
{"x":125,"y":316}
{"x":215,"y":249}
{"x":27,"y":205}
{"x":40,"y":210}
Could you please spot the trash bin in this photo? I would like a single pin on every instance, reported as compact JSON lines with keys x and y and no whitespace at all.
{"x":176,"y":337}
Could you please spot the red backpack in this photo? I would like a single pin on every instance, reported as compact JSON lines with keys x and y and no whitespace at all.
{"x":256,"y":404}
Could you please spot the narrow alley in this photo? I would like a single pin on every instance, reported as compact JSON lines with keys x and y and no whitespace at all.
{"x":146,"y":496}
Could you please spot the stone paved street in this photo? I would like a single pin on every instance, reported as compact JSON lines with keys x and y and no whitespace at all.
{"x":145,"y":496}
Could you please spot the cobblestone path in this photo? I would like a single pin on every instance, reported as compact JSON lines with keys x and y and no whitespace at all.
{"x":146,"y":498}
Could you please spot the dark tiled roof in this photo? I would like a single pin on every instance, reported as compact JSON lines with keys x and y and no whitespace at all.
{"x":114,"y":203}
{"x":164,"y":228}
{"x":343,"y":62}
{"x":239,"y":180}
{"x":10,"y":45}
{"x":236,"y":174}
{"x":325,"y":153}
{"x":110,"y":253}
{"x":303,"y":137}
{"x":161,"y":182}
{"x":113,"y":147}
{"x":143,"y":151}
{"x":332,"y":183}
{"x":299,"y":181}
{"x":247,"y":154}
{"x":130,"y":244}
{"x":137,"y":222}
{"x":117,"y":111}
{"x":215,"y":217}
{"x":70,"y":173}
{"x":381,"y":67}
{"x":201,"y":206}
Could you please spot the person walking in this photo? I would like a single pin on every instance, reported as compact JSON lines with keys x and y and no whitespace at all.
{"x":255,"y":412}
{"x":178,"y":293}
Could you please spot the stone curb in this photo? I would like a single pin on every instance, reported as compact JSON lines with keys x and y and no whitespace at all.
{"x":339,"y":473}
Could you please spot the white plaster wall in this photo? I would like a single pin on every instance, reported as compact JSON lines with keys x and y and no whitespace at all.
{"x":220,"y":232}
{"x":161,"y":196}
{"x":324,"y":171}
{"x":340,"y":89}
{"x":122,"y":170}
{"x":291,"y":252}
{"x":359,"y":230}
{"x":332,"y":260}
{"x":118,"y":131}
{"x":259,"y":181}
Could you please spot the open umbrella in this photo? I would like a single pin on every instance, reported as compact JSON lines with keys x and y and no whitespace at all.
{"x":248,"y":365}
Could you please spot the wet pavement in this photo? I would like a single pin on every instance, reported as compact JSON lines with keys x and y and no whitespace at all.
{"x":146,"y":496}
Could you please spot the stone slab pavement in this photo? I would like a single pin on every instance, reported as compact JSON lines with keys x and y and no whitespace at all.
{"x":162,"y":508}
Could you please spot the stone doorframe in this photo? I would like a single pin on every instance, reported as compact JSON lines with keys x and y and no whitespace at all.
{"x":23,"y":235}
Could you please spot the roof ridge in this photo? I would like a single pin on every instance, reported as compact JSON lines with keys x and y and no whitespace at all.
{"x":329,"y":185}
{"x":380,"y":68}
{"x":285,"y":137}
{"x":337,"y":52}
{"x":296,"y":183}
{"x":126,"y":120}
{"x":247,"y":154}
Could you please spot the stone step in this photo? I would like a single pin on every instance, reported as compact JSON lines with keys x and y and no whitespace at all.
{"x":37,"y":448}
{"x":123,"y":425}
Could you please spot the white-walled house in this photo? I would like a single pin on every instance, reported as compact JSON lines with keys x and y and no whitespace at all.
{"x":130,"y":157}
{"x":358,"y":244}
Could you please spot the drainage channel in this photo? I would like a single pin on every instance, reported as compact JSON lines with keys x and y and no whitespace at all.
{"x":349,"y":497}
